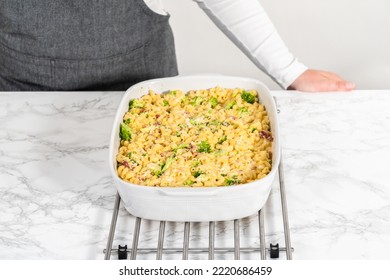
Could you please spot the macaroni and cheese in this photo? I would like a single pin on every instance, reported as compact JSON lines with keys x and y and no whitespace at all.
{"x":202,"y":138}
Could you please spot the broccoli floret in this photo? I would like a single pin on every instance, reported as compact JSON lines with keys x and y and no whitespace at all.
{"x":215,"y":122}
{"x":196,"y":101}
{"x":136,"y":103}
{"x":181,"y":146}
{"x":183,"y":101}
{"x":204,"y":147}
{"x":193,"y":121}
{"x":125,"y":132}
{"x":232,"y":181}
{"x":158,"y":171}
{"x":229,"y":182}
{"x":188,"y":182}
{"x":243,"y":110}
{"x":155,"y":169}
{"x":230,"y":105}
{"x":248,"y":97}
{"x":213,"y":101}
{"x":167,"y":164}
{"x":222,"y":139}
{"x":165,"y":103}
{"x":197,"y":173}
{"x":128,"y":121}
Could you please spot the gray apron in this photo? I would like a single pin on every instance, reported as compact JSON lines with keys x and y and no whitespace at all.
{"x":82,"y":44}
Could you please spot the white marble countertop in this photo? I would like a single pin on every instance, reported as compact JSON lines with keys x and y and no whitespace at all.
{"x":57,"y":195}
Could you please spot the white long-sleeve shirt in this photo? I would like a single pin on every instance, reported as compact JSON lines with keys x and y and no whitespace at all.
{"x":248,"y":26}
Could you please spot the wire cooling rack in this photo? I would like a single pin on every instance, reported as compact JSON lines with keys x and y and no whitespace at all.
{"x":123,"y":252}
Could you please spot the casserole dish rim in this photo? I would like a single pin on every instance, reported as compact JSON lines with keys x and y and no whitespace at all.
{"x":119,"y":117}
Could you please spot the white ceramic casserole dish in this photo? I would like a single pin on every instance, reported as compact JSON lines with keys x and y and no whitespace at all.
{"x":186,"y":203}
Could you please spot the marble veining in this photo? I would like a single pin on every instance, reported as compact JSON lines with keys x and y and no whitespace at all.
{"x":57,"y":193}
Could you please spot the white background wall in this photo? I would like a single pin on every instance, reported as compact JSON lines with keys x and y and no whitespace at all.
{"x":349,"y":37}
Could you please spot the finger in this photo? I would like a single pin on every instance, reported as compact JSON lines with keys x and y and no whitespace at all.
{"x":350,"y":86}
{"x":345,"y":86}
{"x":332,"y":85}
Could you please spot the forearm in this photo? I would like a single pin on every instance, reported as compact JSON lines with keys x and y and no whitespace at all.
{"x":249,"y":27}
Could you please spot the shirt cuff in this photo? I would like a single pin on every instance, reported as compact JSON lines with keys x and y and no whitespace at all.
{"x":292,"y":73}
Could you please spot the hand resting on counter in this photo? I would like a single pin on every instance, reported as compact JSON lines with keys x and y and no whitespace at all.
{"x":319,"y":81}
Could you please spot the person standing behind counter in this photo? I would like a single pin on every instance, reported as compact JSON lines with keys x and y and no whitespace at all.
{"x":113,"y":44}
